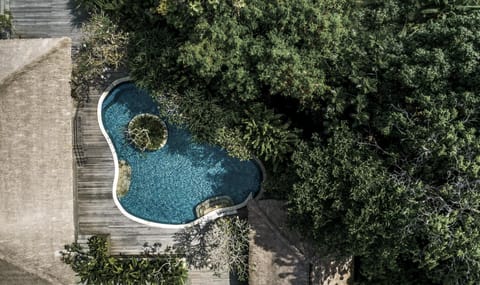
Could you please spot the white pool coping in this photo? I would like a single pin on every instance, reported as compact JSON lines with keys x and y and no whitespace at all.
{"x":207,"y":218}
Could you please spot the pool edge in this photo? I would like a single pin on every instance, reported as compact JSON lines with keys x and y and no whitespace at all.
{"x":207,"y":218}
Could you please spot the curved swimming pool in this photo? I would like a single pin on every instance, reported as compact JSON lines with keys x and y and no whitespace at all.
{"x":167,"y":184}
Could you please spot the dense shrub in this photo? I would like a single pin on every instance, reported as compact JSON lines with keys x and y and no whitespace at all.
{"x":95,"y":266}
{"x":102,"y":49}
{"x":6,"y":25}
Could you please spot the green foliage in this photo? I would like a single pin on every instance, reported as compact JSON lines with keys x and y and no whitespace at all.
{"x":96,"y":266}
{"x":6,"y":25}
{"x":147,"y":132}
{"x":102,"y":50}
{"x":6,"y":21}
{"x":420,"y":124}
{"x":231,"y":140}
{"x":431,"y":101}
{"x":269,"y":137}
{"x":239,"y":49}
{"x":388,"y":88}
{"x":346,"y":200}
{"x":218,"y":58}
{"x":93,"y":6}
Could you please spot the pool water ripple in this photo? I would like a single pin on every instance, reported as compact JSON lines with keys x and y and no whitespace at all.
{"x":167,"y":184}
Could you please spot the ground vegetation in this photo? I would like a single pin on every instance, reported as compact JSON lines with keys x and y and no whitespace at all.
{"x":95,"y":265}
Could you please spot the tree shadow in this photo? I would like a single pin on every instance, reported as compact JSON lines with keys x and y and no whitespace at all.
{"x":234,"y":280}
{"x":190,"y":243}
{"x":288,"y":255}
{"x":237,"y":180}
{"x":181,"y":142}
{"x":273,"y":259}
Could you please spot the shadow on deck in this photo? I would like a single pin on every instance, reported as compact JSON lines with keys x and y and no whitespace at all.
{"x":96,"y":213}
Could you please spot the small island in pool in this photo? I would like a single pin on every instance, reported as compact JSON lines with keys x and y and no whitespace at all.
{"x":168,"y":183}
{"x":147,"y":132}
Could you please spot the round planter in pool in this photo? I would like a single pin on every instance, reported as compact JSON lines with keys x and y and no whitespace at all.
{"x":167,"y":184}
{"x":147,"y":132}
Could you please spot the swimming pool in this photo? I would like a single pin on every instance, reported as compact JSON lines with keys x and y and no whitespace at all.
{"x":167,"y":184}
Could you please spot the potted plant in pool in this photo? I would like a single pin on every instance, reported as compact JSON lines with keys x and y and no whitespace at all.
{"x":147,"y":132}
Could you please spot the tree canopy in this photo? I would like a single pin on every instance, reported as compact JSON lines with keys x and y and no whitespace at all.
{"x":366,"y":114}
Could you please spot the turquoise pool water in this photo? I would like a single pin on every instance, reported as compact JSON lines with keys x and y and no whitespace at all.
{"x":167,"y":184}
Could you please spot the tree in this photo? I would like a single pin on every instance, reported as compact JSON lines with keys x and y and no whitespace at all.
{"x":395,"y":223}
{"x":216,"y":59}
{"x":221,"y":245}
{"x":345,"y":199}
{"x":102,"y":49}
{"x":419,"y":123}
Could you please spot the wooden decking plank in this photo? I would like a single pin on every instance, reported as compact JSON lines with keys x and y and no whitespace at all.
{"x":45,"y":19}
{"x":96,"y":209}
{"x":97,"y":213}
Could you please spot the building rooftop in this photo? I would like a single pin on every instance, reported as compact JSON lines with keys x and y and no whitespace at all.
{"x":36,"y":180}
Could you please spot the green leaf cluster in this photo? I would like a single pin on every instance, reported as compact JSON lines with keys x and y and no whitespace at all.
{"x":351,"y":203}
{"x":215,"y":59}
{"x":102,"y":49}
{"x":414,"y":144}
{"x":95,"y":266}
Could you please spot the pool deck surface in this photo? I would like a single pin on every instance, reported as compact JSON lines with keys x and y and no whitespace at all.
{"x":88,"y":209}
{"x":96,"y":212}
{"x":45,"y":19}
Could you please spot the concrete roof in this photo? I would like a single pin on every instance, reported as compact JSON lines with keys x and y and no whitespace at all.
{"x":278,"y":255}
{"x":36,"y":177}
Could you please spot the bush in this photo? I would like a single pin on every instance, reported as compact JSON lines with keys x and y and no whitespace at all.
{"x":102,"y":49}
{"x":147,"y":132}
{"x":96,"y":266}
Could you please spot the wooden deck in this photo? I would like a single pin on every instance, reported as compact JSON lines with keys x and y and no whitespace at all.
{"x":97,"y":213}
{"x":45,"y":19}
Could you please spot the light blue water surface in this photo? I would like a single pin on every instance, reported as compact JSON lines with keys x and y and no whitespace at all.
{"x":168,"y":183}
